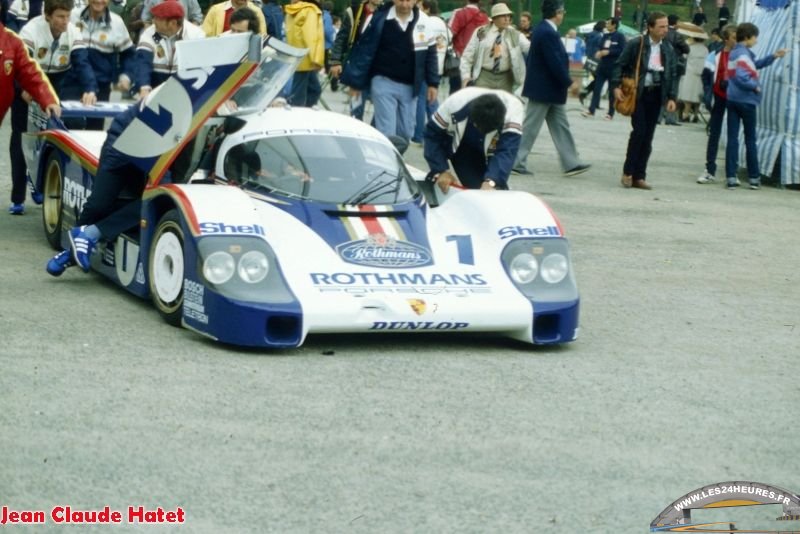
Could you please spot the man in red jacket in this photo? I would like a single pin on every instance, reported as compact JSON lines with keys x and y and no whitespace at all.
{"x":463,"y":24}
{"x":17,"y":66}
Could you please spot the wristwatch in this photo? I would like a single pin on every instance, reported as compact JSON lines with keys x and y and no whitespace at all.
{"x":490,"y":182}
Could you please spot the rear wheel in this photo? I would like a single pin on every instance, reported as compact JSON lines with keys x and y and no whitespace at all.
{"x":166,"y":268}
{"x":52,"y":205}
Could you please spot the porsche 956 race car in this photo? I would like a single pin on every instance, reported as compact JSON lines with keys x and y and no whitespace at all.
{"x":310,"y":221}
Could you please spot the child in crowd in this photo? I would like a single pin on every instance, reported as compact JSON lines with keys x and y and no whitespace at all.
{"x":744,"y":95}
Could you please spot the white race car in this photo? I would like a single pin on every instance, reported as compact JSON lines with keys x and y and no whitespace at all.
{"x":309,"y":221}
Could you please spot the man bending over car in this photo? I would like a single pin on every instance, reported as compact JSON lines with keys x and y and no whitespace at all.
{"x":478,"y":130}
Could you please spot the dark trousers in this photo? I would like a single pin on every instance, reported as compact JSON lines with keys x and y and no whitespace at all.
{"x":640,"y":143}
{"x":601,"y":76}
{"x":746,"y":114}
{"x":714,"y":132}
{"x":306,"y":89}
{"x":116,"y":201}
{"x":19,"y":171}
{"x":469,"y":163}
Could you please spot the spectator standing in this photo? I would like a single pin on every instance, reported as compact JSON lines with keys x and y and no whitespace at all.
{"x":191,"y":9}
{"x":463,"y":24}
{"x":56,"y":45}
{"x":439,"y":33}
{"x":639,"y":18}
{"x":132,"y":17}
{"x":658,"y":86}
{"x":715,"y":80}
{"x":461,"y":130}
{"x":393,"y":57}
{"x":356,"y":19}
{"x":744,"y":96}
{"x":218,"y":18}
{"x":330,"y":35}
{"x":273,"y":15}
{"x":699,"y":18}
{"x":610,"y":49}
{"x":715,"y":41}
{"x":724,"y":14}
{"x":155,"y":55}
{"x":304,"y":29}
{"x":593,"y":43}
{"x":21,"y":11}
{"x":690,"y":89}
{"x":110,"y":51}
{"x":546,"y":84}
{"x":526,"y":24}
{"x":576,"y":49}
{"x":493,"y":57}
{"x":681,"y":48}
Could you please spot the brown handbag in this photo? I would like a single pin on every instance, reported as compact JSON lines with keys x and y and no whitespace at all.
{"x":626,"y":104}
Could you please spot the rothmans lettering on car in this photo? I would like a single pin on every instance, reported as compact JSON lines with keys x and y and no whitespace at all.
{"x":222,"y":228}
{"x":388,"y":253}
{"x":513,"y":231}
{"x":397,"y":279}
{"x":75,"y":194}
{"x":417,"y":325}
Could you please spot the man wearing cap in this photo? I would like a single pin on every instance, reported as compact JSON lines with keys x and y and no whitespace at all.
{"x":155,"y":55}
{"x":218,"y":18}
{"x":493,"y":57}
{"x":546,"y":85}
{"x":192,"y":10}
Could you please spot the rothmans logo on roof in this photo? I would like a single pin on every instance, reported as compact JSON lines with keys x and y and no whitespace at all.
{"x":677,"y":517}
{"x":380,"y":250}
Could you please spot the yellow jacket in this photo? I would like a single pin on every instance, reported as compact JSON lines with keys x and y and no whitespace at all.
{"x":304,"y":30}
{"x":214,"y":22}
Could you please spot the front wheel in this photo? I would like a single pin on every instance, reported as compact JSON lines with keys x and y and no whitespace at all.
{"x":52,"y":205}
{"x":166,"y":268}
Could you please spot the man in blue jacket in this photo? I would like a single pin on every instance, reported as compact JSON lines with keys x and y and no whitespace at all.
{"x":393,"y":57}
{"x":546,"y":84}
{"x":611,"y":46}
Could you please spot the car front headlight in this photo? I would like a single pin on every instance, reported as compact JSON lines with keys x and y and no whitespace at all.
{"x":219,"y":267}
{"x":253,"y":267}
{"x":524,"y":268}
{"x":554,"y":268}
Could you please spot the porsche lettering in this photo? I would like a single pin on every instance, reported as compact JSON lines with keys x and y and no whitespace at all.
{"x":512,"y":231}
{"x":222,"y":228}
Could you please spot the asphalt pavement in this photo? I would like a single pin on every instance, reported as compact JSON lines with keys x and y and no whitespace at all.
{"x":685,"y":374}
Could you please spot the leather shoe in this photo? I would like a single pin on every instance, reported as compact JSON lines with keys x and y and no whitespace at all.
{"x":626,"y":181}
{"x":641,"y":184}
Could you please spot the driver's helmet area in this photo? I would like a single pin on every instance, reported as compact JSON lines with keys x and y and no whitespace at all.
{"x":323,"y":167}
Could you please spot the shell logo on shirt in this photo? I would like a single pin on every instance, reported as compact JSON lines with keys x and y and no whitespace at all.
{"x":103,"y":37}
{"x":62,"y":60}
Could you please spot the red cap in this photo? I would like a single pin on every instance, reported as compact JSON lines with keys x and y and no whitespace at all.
{"x":168,"y":9}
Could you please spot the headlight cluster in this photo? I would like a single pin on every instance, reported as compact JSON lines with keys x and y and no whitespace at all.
{"x":241,"y":267}
{"x":252,"y":267}
{"x":540,"y":268}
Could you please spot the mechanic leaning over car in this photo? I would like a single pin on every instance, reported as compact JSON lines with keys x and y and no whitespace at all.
{"x":478,"y":130}
{"x":57,"y":46}
{"x":19,"y":68}
{"x":105,"y":215}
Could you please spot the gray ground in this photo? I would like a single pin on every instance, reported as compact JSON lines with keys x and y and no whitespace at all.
{"x":685,"y":374}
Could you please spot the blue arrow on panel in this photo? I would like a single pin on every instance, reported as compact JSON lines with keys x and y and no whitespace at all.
{"x":159,"y":122}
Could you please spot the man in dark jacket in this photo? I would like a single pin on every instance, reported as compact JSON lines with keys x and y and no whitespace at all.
{"x":681,"y":48}
{"x":394,"y":56}
{"x":658,"y":85}
{"x":546,"y":84}
{"x":611,"y":46}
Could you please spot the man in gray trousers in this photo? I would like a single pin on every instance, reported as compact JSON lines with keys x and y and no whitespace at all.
{"x":546,"y":84}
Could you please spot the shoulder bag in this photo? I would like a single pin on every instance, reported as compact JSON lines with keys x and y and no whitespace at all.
{"x":452,"y":63}
{"x":626,"y":104}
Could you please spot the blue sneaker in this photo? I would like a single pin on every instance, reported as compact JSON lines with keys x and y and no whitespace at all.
{"x":37,"y":197}
{"x":16,"y":209}
{"x":59,"y":263}
{"x":82,"y":246}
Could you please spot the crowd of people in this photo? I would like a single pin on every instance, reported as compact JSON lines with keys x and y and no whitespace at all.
{"x":507,"y":82}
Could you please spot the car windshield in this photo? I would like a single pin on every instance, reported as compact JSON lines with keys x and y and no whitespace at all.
{"x":326,"y":168}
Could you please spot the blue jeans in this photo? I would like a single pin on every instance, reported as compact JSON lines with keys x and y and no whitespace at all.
{"x":425,"y":111}
{"x":306,"y":89}
{"x":714,"y":131}
{"x":394,"y":107}
{"x":746,"y":114}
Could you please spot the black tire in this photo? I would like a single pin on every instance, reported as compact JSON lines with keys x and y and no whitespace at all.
{"x":52,"y":205}
{"x":166,"y":268}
